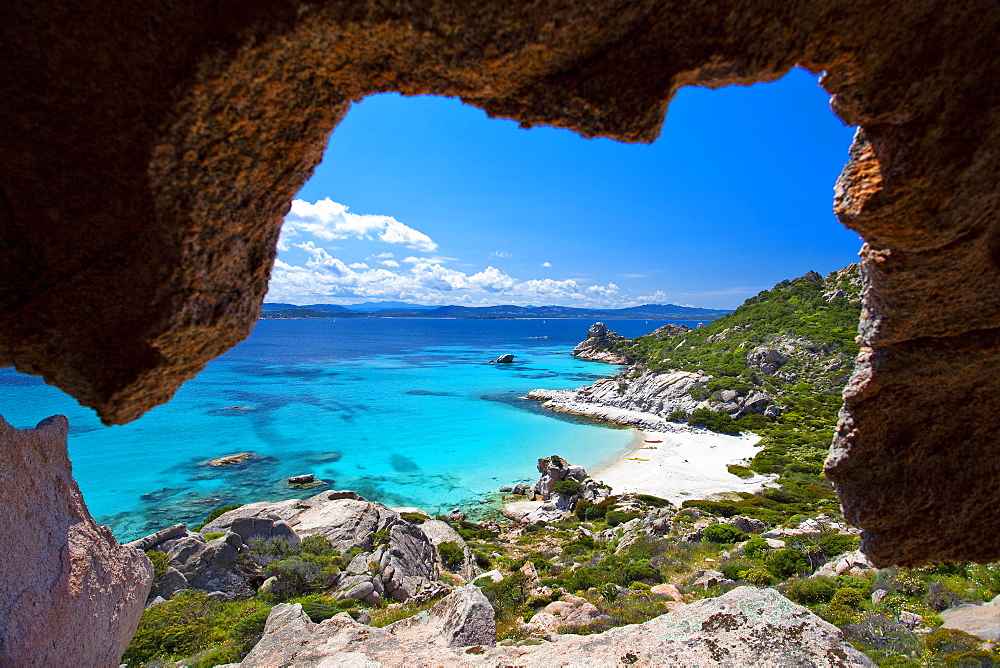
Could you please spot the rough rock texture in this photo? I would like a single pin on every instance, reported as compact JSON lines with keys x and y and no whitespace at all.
{"x":744,"y":627}
{"x":406,"y":559}
{"x":176,"y":135}
{"x":463,"y":618}
{"x":595,"y":346}
{"x":982,"y":621}
{"x":568,"y":614}
{"x":69,"y":593}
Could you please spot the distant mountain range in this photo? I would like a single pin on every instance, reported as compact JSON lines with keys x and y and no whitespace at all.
{"x":275,"y":311}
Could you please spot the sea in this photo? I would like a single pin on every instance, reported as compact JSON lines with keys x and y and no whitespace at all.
{"x":405,"y":411}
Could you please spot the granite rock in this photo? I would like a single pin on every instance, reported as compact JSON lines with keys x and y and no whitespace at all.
{"x":70,"y":595}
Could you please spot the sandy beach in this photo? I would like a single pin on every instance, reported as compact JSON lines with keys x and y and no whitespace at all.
{"x":686,"y":465}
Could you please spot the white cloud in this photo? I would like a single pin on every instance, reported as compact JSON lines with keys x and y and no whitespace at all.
{"x":328,"y":220}
{"x":380,"y":256}
{"x":546,"y":264}
{"x":327,"y":279}
{"x":389,"y":263}
{"x":437,"y":259}
{"x":501,"y":254}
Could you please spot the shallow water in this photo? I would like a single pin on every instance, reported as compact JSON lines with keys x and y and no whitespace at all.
{"x":403,"y":411}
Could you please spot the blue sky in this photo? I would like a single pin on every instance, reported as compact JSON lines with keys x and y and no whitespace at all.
{"x":427,"y":200}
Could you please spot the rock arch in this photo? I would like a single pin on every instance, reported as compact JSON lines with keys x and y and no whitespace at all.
{"x":150,"y":153}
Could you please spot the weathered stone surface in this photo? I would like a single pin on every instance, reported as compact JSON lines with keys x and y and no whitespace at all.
{"x":176,"y":138}
{"x":595,"y":346}
{"x":206,"y":565}
{"x":745,"y":627}
{"x":406,"y":565}
{"x":69,"y":593}
{"x":982,"y":621}
{"x":568,"y":614}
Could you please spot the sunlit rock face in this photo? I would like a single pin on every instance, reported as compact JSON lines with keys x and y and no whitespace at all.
{"x":70,"y":595}
{"x":150,"y":153}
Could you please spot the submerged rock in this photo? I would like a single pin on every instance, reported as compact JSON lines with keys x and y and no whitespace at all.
{"x":233,"y":459}
{"x":305,"y":479}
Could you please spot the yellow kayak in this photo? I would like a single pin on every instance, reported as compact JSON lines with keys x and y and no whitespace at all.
{"x":637,"y":459}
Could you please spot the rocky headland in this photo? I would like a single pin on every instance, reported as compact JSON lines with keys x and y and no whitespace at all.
{"x":745,"y":363}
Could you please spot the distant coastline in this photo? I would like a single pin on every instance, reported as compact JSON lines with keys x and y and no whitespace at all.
{"x":278,"y":311}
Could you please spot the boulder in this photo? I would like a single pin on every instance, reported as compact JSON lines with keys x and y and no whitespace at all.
{"x":568,"y":614}
{"x":852,"y":563}
{"x":304,"y":479}
{"x":504,"y":359}
{"x":982,"y":621}
{"x":667,"y":591}
{"x":441,"y":532}
{"x":747,"y":524}
{"x":456,"y":515}
{"x":70,"y":595}
{"x":463,"y":618}
{"x":407,"y":564}
{"x":744,"y":627}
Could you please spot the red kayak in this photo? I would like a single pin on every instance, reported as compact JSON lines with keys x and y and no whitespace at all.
{"x":654,"y":441}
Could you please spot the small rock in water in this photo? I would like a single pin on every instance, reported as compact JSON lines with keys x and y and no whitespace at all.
{"x":456,"y":515}
{"x":506,"y":489}
{"x":230,"y":460}
{"x":306,"y":479}
{"x":504,"y":359}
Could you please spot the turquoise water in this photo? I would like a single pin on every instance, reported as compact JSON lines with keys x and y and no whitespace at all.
{"x":403,"y":411}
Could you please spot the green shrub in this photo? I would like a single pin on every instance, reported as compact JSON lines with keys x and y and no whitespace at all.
{"x":946,"y":641}
{"x":471,"y":532}
{"x":217,"y":513}
{"x":319,"y":606}
{"x":616,"y":517}
{"x":654,"y":501}
{"x":567,"y":486}
{"x":786,"y":562}
{"x":508,"y":596}
{"x":723,"y":533}
{"x":319,"y":546}
{"x":176,"y":628}
{"x":415,"y":518}
{"x":974,"y":658}
{"x":580,"y":510}
{"x":736,"y":571}
{"x":812,"y":590}
{"x":161,"y":562}
{"x":214,"y":535}
{"x":719,"y":421}
{"x":677,"y":416}
{"x":451,"y":554}
{"x":740,"y":471}
{"x":755,"y":547}
{"x":836,"y":544}
{"x":758,"y":577}
{"x":850,"y":598}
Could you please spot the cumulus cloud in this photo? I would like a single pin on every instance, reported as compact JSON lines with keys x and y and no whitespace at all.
{"x":546,"y":264}
{"x":325,"y":278}
{"x":389,"y":263}
{"x":328,"y":220}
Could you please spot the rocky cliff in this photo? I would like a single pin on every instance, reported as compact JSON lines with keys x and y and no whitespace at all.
{"x":796,"y":339}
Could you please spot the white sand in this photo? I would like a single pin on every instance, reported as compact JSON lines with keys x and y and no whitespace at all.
{"x":686,"y":465}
